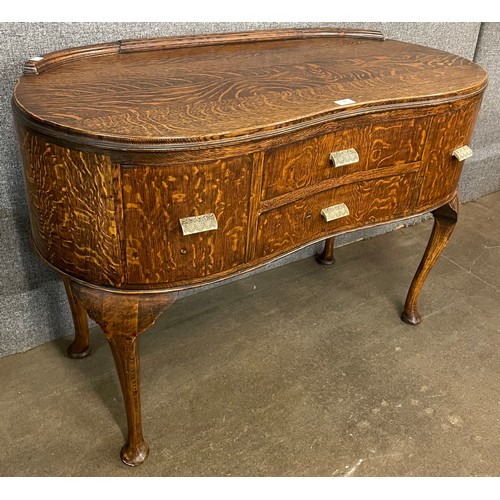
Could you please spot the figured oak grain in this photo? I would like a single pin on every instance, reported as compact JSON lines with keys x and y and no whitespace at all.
{"x":441,"y":171}
{"x":334,"y":182}
{"x":209,"y":92}
{"x":38,"y":65}
{"x":445,"y":219}
{"x":369,"y":202}
{"x":155,"y":198}
{"x":145,"y":240}
{"x":73,"y":209}
{"x":300,"y":164}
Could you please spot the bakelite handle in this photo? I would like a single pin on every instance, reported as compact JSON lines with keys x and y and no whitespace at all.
{"x":462,"y":153}
{"x":335,"y":212}
{"x":344,"y":157}
{"x":198,"y":224}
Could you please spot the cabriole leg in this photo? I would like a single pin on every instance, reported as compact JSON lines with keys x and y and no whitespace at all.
{"x":80,"y":348}
{"x":125,"y":351}
{"x":123,"y":317}
{"x":445,"y":219}
{"x":326,"y":258}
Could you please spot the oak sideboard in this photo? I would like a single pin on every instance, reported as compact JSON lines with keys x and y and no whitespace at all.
{"x":156,"y":165}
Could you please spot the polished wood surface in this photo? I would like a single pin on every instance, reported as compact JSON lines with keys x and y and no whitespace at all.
{"x":74,"y":214}
{"x":80,"y":347}
{"x":369,"y":202}
{"x":122,"y":319}
{"x":300,"y":164}
{"x":326,"y":257}
{"x":279,"y":139}
{"x":126,"y":221}
{"x":154,"y":199}
{"x":215,"y":91}
{"x":445,"y":219}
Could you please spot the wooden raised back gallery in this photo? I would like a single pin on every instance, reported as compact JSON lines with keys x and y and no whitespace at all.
{"x":156,"y":165}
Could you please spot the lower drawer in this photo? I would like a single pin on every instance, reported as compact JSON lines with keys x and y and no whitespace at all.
{"x":300,"y":222}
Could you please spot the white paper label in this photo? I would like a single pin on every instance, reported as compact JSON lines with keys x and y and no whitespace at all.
{"x":343,"y":102}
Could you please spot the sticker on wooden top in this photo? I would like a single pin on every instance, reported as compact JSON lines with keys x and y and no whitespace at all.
{"x":344,"y":102}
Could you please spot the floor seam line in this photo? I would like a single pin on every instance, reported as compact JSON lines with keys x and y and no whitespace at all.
{"x":468,"y":271}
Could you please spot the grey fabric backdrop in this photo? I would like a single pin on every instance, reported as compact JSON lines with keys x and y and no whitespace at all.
{"x":33,"y":307}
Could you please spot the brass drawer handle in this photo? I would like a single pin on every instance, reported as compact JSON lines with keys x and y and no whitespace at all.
{"x":335,"y":212}
{"x":462,"y":153}
{"x":198,"y":224}
{"x":344,"y":157}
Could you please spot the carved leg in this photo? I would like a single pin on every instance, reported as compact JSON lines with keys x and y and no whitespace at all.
{"x":326,"y":258}
{"x":80,"y":348}
{"x":445,"y":219}
{"x":123,"y":317}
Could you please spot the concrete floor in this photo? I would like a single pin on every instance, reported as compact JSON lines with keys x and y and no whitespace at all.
{"x":299,"y":371}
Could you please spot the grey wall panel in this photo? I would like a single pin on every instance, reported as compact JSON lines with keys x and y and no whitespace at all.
{"x":482,"y":172}
{"x":32,"y":304}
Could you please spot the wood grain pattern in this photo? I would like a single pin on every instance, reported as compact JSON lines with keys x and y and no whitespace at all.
{"x":80,"y":347}
{"x":327,"y":184}
{"x":39,"y":64}
{"x":441,"y":171}
{"x":368,"y":202}
{"x":72,"y":209}
{"x":211,"y":92}
{"x":295,"y":166}
{"x":148,"y":44}
{"x":58,"y":251}
{"x":326,"y":257}
{"x":445,"y":219}
{"x":123,"y":318}
{"x":155,"y":198}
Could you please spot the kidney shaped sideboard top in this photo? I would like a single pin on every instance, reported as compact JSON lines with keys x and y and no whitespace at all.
{"x":200,"y":90}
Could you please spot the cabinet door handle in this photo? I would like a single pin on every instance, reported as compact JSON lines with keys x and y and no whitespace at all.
{"x":335,"y":212}
{"x":344,"y":157}
{"x":462,"y":153}
{"x":198,"y":224}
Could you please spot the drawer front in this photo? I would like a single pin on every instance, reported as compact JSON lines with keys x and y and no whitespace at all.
{"x":301,"y":222}
{"x":161,"y":246}
{"x":300,"y":164}
{"x":441,"y":170}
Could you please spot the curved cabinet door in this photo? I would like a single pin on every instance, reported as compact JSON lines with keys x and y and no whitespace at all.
{"x":157,"y":198}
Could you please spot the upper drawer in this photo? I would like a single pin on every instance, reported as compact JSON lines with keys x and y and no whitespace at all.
{"x":295,"y":166}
